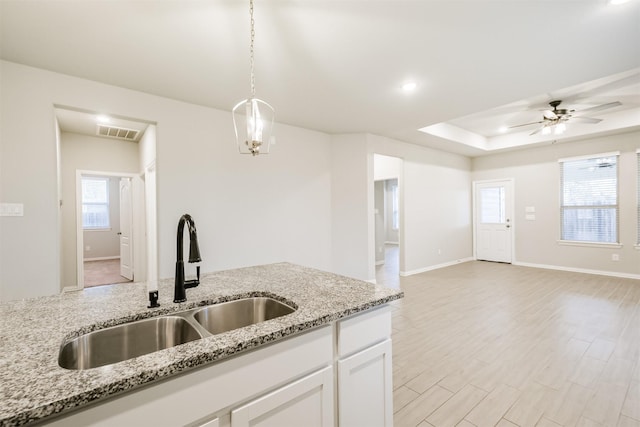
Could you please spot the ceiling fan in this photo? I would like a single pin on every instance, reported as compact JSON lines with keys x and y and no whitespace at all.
{"x":557,"y":117}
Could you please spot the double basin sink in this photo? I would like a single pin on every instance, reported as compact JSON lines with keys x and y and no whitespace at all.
{"x":137,"y":338}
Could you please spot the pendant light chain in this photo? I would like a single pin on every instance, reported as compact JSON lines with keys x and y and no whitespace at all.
{"x":253,"y":35}
{"x":253,"y":118}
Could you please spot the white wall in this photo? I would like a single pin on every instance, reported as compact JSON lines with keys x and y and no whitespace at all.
{"x":379,"y":211}
{"x":352,"y":219}
{"x":537,"y":183}
{"x":247,"y":210}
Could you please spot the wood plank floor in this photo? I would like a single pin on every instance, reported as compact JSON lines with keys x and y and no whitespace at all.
{"x":103,"y":272}
{"x":488,"y":344}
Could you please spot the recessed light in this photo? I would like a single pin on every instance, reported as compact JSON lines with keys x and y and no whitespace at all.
{"x":617,"y":2}
{"x":409,"y":86}
{"x":503,"y":129}
{"x":103,"y":119}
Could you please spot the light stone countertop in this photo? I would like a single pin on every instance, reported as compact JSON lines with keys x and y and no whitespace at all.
{"x":33,"y":386}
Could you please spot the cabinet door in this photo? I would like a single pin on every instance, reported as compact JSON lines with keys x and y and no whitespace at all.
{"x":306,"y":402}
{"x":365,"y":389}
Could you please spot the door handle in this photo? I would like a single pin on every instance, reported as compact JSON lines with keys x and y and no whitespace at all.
{"x":508,"y":226}
{"x":119,"y":233}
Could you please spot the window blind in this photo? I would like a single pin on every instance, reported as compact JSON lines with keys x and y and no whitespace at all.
{"x":95,"y":203}
{"x":589,"y":199}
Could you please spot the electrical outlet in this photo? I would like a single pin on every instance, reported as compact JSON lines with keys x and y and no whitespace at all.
{"x":11,"y":209}
{"x":615,"y":257}
{"x":87,"y":248}
{"x":439,"y":251}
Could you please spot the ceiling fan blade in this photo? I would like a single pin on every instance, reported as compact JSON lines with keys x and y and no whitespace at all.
{"x":548,"y":114}
{"x":601,"y":107}
{"x":526,"y":124}
{"x":581,"y":119}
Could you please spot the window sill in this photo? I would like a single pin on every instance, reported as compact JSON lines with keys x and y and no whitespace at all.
{"x":590,"y":244}
{"x":96,"y":229}
{"x":637,"y":247}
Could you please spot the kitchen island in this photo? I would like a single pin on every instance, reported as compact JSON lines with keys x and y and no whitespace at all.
{"x":337,"y":322}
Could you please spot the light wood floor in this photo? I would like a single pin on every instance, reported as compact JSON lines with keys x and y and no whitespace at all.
{"x":102,"y":272}
{"x":488,"y":344}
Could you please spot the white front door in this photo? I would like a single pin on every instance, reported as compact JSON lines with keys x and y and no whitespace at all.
{"x":126,"y":219}
{"x":493,"y":220}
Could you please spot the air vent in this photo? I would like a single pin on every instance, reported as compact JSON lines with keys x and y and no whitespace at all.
{"x":117,"y":132}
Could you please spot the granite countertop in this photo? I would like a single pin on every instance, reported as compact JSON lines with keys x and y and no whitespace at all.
{"x":33,"y":386}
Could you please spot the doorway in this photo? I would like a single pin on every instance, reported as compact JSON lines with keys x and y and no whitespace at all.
{"x":387,"y":223}
{"x":493,"y":220}
{"x":105,"y":227}
{"x":90,"y":144}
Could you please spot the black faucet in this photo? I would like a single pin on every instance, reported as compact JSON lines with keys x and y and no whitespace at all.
{"x":179,"y":294}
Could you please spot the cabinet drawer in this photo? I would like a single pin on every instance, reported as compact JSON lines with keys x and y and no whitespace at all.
{"x":306,"y":402}
{"x":363,"y":330}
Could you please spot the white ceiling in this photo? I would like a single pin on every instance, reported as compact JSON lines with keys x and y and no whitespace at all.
{"x":338,"y":65}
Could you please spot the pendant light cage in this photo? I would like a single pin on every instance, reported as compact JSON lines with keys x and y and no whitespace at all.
{"x":253,"y":118}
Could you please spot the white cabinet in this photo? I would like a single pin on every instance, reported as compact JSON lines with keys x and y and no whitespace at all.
{"x":306,"y":402}
{"x":365,"y":388}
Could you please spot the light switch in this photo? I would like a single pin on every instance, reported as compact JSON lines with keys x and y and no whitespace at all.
{"x":530,"y":217}
{"x":11,"y":209}
{"x":530,"y":209}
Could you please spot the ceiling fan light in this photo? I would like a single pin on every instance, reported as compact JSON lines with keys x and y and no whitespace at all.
{"x":560,"y":128}
{"x":546,"y":130}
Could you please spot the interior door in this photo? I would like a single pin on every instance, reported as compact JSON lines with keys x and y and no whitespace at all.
{"x":126,"y":220}
{"x":493,"y":220}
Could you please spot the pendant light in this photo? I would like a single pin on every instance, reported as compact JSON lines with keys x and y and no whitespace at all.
{"x":253,"y":117}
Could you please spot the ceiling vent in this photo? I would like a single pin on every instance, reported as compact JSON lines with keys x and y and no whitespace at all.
{"x":117,"y":132}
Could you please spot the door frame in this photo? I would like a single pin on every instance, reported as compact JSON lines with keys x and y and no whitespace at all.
{"x":511,"y":206}
{"x":79,"y":230}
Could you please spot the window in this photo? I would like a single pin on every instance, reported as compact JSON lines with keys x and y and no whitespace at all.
{"x":493,"y":209}
{"x":589,"y":198}
{"x":95,"y":203}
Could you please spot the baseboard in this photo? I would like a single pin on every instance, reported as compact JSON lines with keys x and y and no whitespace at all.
{"x":70,"y":289}
{"x":579,"y":270}
{"x":435,"y":267}
{"x":102,"y":258}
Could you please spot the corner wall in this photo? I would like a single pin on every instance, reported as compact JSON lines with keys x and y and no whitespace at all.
{"x":537,"y":184}
{"x":435,"y":205}
{"x":248,"y":210}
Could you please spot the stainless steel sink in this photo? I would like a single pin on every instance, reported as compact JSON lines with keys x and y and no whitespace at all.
{"x":126,"y":341}
{"x":236,"y":314}
{"x":133,"y":339}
